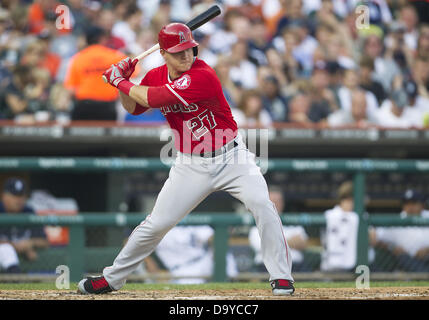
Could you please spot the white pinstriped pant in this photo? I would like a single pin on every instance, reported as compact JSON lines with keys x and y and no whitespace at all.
{"x":187,"y":185}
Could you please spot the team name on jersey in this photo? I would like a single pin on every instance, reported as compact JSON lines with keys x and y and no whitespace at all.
{"x":178,"y":107}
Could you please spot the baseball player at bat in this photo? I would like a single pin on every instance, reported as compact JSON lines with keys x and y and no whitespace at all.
{"x":211,"y":157}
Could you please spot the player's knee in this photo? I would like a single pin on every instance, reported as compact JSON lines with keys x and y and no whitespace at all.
{"x":160,"y":228}
{"x":257,"y":201}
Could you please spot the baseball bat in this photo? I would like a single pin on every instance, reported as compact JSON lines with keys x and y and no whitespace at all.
{"x":195,"y":23}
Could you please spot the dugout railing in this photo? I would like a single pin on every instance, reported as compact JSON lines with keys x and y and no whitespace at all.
{"x":220,"y":222}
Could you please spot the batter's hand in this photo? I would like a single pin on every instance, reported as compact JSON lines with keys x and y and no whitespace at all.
{"x":113,"y":75}
{"x":127,"y":67}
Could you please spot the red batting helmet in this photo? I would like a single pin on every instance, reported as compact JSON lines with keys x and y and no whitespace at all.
{"x":175,"y":37}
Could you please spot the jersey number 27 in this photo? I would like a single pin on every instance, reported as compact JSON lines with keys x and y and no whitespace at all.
{"x":199,"y":125}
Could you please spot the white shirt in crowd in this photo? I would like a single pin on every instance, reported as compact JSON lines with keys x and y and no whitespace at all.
{"x":340,"y":240}
{"x":245,"y":73}
{"x":410,"y":116}
{"x":289,"y":232}
{"x":185,"y":252}
{"x":345,"y":97}
{"x":410,"y":239}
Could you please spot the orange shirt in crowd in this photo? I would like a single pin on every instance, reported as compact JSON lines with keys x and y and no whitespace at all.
{"x":85,"y":71}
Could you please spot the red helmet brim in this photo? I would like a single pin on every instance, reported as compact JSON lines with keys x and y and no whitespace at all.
{"x":182,"y":46}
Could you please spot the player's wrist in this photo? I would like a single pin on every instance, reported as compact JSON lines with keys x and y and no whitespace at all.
{"x":125,"y":86}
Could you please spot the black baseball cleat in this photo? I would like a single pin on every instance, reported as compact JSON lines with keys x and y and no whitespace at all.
{"x":93,"y":285}
{"x":282,"y":287}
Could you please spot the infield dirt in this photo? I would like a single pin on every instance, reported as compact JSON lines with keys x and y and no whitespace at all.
{"x":388,"y":293}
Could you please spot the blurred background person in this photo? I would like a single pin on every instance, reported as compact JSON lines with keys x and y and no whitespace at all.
{"x":186,"y":252}
{"x":351,"y":83}
{"x":366,"y":80}
{"x":128,"y":29}
{"x":385,"y":67}
{"x":231,"y":89}
{"x":93,"y":99}
{"x":272,"y":99}
{"x":18,"y":241}
{"x":356,"y":116}
{"x":410,"y":245}
{"x":340,"y":238}
{"x":250,"y":112}
{"x":296,"y":237}
{"x":395,"y":112}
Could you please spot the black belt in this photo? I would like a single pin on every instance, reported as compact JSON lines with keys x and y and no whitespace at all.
{"x":225,"y":148}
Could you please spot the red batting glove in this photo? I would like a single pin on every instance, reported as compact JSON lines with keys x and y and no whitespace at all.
{"x":113,"y":75}
{"x":127,"y":67}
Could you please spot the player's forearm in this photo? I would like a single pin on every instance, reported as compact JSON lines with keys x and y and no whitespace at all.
{"x":127,"y":102}
{"x":139,"y":95}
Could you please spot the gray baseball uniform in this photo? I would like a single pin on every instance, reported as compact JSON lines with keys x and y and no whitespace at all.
{"x":199,"y":115}
{"x":234,"y":171}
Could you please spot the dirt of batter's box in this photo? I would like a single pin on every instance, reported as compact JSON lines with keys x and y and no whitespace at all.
{"x":388,"y":293}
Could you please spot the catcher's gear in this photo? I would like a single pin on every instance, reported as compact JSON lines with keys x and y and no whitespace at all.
{"x":176,"y":37}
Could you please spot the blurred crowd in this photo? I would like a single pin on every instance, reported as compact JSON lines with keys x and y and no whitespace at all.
{"x":326,"y":62}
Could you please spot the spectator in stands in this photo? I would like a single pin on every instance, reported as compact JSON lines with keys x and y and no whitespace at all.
{"x":93,"y":99}
{"x":25,"y":98}
{"x":423,"y":42}
{"x":60,"y":103}
{"x":236,"y":28}
{"x":128,"y":29}
{"x":410,"y":245}
{"x":296,"y":237}
{"x":293,"y":13}
{"x":250,"y":111}
{"x":106,"y":22}
{"x":323,"y":100}
{"x":204,"y":51}
{"x":80,"y":15}
{"x":258,"y":43}
{"x":37,"y":55}
{"x":340,"y":238}
{"x":409,"y":18}
{"x":366,"y":81}
{"x":242,"y":71}
{"x":231,"y":90}
{"x":385,"y":67}
{"x":395,"y":111}
{"x":286,"y":45}
{"x":272,"y":99}
{"x":356,"y":116}
{"x":299,"y":108}
{"x":187,"y":253}
{"x":38,"y":13}
{"x":15,"y":241}
{"x":420,"y":74}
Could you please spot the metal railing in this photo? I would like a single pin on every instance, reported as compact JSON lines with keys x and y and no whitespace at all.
{"x":358,"y":168}
{"x":220,"y":223}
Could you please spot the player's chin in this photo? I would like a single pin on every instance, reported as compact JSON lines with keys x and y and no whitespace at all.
{"x":185,"y":66}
